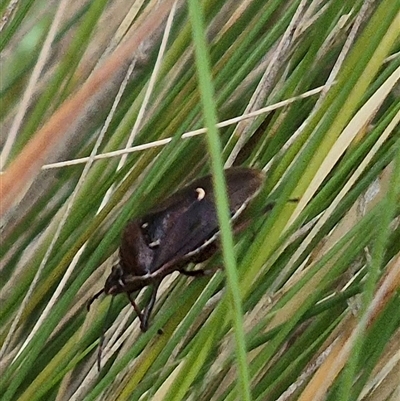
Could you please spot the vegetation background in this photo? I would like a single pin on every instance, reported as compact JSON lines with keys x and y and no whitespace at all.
{"x":102,"y":117}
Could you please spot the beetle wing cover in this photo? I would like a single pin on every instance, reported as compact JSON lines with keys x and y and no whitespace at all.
{"x":188,"y":219}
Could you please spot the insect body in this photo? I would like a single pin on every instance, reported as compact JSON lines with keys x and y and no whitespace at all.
{"x":182,"y":229}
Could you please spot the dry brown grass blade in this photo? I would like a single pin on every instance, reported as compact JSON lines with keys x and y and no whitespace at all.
{"x":332,"y":366}
{"x":76,"y":111}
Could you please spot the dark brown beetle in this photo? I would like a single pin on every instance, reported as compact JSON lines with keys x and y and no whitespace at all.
{"x":182,"y":229}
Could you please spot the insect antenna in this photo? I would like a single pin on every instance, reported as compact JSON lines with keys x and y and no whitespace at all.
{"x":94,"y":297}
{"x":103,"y":334}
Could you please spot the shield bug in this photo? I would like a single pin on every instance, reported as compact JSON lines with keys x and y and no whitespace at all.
{"x":180,"y":230}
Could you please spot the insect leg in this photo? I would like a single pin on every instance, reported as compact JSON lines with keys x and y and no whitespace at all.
{"x":144,"y":323}
{"x":193,"y":273}
{"x":137,"y":310}
{"x":198,"y":272}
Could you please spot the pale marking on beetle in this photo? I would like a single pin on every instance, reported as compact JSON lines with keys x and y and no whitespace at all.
{"x":200,"y":193}
{"x":154,"y":244}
